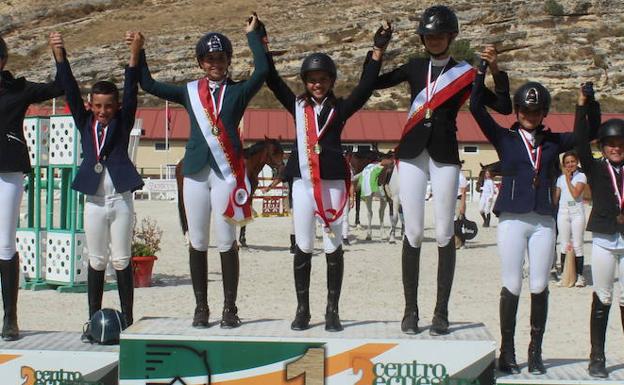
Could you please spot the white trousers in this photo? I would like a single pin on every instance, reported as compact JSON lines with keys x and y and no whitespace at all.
{"x":519,"y":235}
{"x":345,"y":222}
{"x":485,"y":203}
{"x":571,"y":225}
{"x":108,"y":225}
{"x":205,"y":192}
{"x":305,"y":220}
{"x":604,"y":264}
{"x":11,"y":191}
{"x":413,"y":175}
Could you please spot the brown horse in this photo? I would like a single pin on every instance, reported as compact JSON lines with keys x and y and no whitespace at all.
{"x":267,"y":152}
{"x":495,"y":171}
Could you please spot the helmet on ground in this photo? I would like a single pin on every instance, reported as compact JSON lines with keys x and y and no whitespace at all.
{"x":438,"y":19}
{"x":532,"y":96}
{"x":105,"y":327}
{"x":213,"y":42}
{"x":318,"y":62}
{"x":611,"y":128}
{"x":465,"y":228}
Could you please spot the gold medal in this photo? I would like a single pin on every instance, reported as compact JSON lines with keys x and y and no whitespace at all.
{"x":215,"y":130}
{"x":428,"y":113}
{"x":620,"y":219}
{"x":317,"y":149}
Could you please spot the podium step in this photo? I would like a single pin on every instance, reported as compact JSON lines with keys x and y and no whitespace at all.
{"x":170,"y":351}
{"x":56,"y":356}
{"x":564,"y":372}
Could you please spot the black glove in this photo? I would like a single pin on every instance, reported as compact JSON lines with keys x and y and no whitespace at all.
{"x":588,"y":90}
{"x":382,"y":37}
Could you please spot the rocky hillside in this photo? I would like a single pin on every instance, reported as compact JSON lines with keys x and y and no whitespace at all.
{"x":558,"y":42}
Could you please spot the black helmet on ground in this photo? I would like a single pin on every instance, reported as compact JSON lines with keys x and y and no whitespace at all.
{"x":213,"y":42}
{"x":105,"y":327}
{"x":532,"y":96}
{"x":611,"y":128}
{"x":438,"y":19}
{"x":318,"y":62}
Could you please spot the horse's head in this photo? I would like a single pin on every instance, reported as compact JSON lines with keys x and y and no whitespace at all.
{"x":275,"y":152}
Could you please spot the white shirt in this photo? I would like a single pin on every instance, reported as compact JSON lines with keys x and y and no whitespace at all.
{"x":106,"y":186}
{"x":566,"y":199}
{"x":488,"y":189}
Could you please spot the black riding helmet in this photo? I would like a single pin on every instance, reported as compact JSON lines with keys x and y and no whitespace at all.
{"x":213,"y":42}
{"x":318,"y":61}
{"x":611,"y":128}
{"x":438,"y":19}
{"x":532,"y":96}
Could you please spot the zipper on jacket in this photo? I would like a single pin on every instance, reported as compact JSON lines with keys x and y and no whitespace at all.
{"x":11,"y":136}
{"x":513,"y":188}
{"x":549,"y":197}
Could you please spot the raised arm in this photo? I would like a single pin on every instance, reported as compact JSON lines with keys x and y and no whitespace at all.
{"x":280,"y":89}
{"x":499,"y":100}
{"x":360,"y":94}
{"x":170,"y":92}
{"x":39,"y":92}
{"x":488,"y":125}
{"x":582,"y":135}
{"x":135,"y":41}
{"x":592,"y":107}
{"x":67,"y":81}
{"x":261,"y":67}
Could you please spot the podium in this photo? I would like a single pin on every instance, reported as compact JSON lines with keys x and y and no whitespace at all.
{"x":267,"y":352}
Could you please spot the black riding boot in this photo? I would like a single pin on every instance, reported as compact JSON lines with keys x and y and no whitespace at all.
{"x":335,"y":271}
{"x":293,"y":244}
{"x":125,"y":286}
{"x":539,"y":311}
{"x":410,"y":263}
{"x":95,"y":290}
{"x":598,"y":331}
{"x":487,"y":220}
{"x":302,"y":265}
{"x":9,"y":276}
{"x":446,"y":272}
{"x":508,"y":309}
{"x":230,"y":272}
{"x":242,"y":238}
{"x":484,"y":219}
{"x":198,"y":261}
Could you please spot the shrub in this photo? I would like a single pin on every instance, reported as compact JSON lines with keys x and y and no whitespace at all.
{"x":553,"y":8}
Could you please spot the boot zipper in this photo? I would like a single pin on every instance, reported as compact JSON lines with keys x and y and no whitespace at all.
{"x":11,"y":136}
{"x":513,"y":188}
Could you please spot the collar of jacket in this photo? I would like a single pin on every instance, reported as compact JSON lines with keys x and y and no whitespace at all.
{"x":541,"y":132}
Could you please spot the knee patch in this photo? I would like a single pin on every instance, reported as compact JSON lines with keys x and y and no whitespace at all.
{"x":120,"y":263}
{"x":604,"y":295}
{"x":98,"y":262}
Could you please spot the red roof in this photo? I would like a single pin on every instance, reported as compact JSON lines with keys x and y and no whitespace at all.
{"x":365,"y":126}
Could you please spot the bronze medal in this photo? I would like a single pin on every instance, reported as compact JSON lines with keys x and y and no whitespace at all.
{"x":620,"y":219}
{"x":317,"y":149}
{"x":536,"y":182}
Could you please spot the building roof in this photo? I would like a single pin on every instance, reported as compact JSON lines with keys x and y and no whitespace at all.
{"x":365,"y":126}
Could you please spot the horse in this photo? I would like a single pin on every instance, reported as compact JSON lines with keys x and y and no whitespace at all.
{"x":267,"y":152}
{"x":495,"y":171}
{"x":357,"y":162}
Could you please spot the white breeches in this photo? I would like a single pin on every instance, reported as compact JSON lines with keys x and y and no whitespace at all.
{"x":304,"y":207}
{"x":345,"y":222}
{"x":519,"y":235}
{"x":413,"y":175}
{"x":571,"y":226}
{"x":485,"y":203}
{"x":108,"y":223}
{"x":11,"y":191}
{"x":605,"y":263}
{"x":205,"y":192}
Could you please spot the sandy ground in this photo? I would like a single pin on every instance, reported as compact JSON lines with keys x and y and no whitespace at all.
{"x":372,"y":288}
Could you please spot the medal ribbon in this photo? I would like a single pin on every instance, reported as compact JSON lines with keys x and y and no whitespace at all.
{"x":434,"y":87}
{"x":96,"y":139}
{"x":449,"y":83}
{"x":619,"y":196}
{"x":309,"y":162}
{"x":230,"y":163}
{"x":534,"y":156}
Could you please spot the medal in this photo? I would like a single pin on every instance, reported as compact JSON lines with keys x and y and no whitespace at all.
{"x":215,"y":130}
{"x":428,"y":113}
{"x":536,"y":181}
{"x":98,"y":168}
{"x":535,"y":157}
{"x":317,"y":149}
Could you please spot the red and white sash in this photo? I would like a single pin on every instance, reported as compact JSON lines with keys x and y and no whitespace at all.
{"x":437,"y":93}
{"x":308,"y":135}
{"x":231,"y":164}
